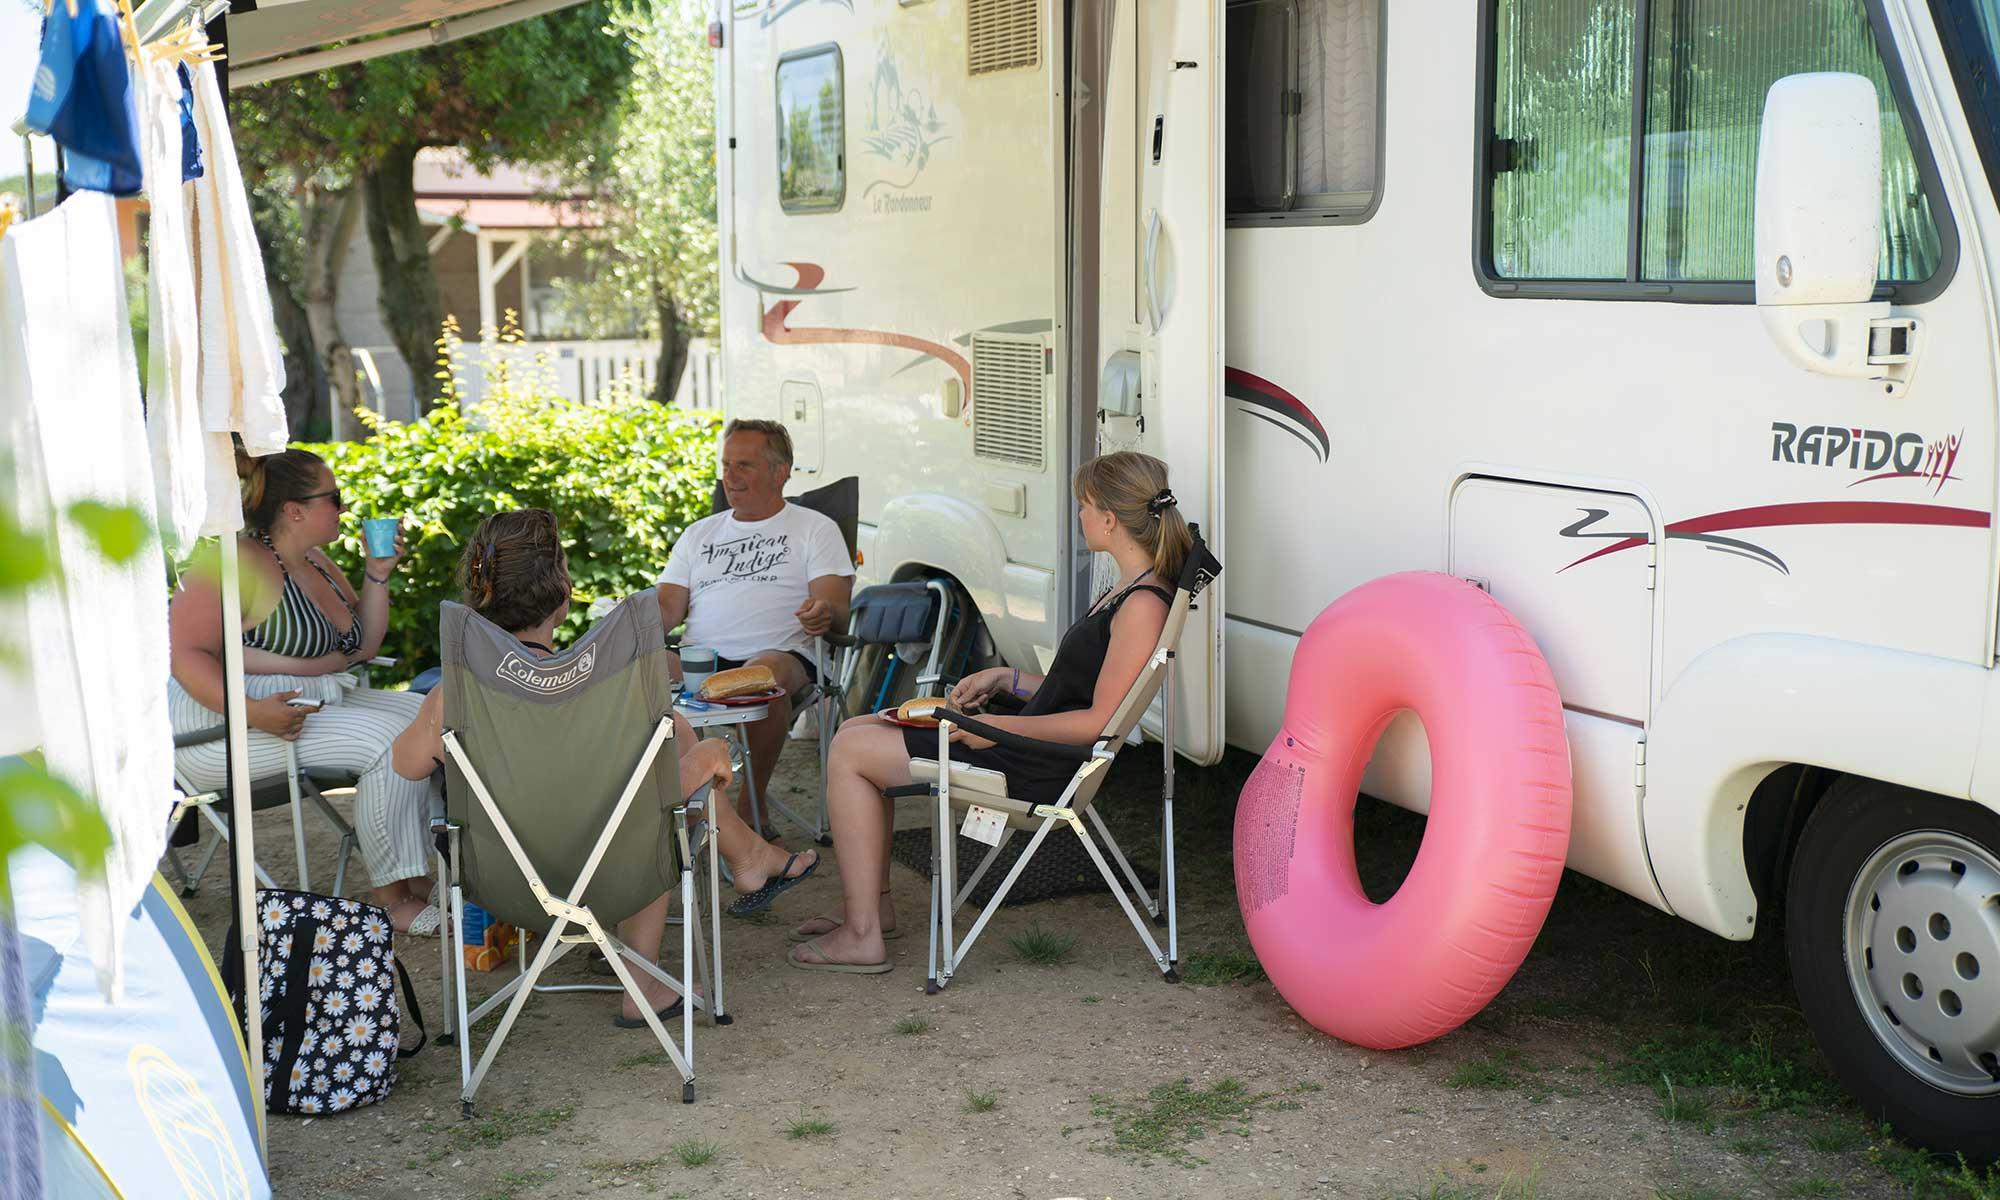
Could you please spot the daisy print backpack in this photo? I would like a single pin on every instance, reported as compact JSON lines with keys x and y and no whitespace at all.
{"x":332,"y":1027}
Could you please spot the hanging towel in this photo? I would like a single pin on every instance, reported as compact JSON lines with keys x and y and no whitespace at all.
{"x":20,"y":1112}
{"x":96,"y":637}
{"x":242,"y":369}
{"x":173,"y":368}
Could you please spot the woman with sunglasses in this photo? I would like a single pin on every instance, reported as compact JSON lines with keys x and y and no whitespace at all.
{"x":305,"y":624}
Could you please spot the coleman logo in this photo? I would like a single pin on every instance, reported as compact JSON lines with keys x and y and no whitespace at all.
{"x":1881,"y":454}
{"x":531,"y":674}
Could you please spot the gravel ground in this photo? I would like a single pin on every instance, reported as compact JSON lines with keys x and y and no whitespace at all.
{"x":1633,"y":1056}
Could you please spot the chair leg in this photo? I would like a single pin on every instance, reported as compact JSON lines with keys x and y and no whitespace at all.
{"x":446,"y":945}
{"x":1125,"y":902}
{"x":542,"y":959}
{"x":298,"y":815}
{"x":931,"y":983}
{"x":718,"y":1012}
{"x":464,"y":1029}
{"x":1000,"y":893}
{"x":1118,"y":856}
{"x":693,"y":912}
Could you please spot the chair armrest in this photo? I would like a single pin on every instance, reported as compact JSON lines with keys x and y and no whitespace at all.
{"x":1015,"y":741}
{"x":840,"y":641}
{"x":909,"y":789}
{"x":200,"y":737}
{"x":383,"y":660}
{"x":698,"y":798}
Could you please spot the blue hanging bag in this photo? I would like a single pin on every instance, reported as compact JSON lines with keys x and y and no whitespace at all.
{"x":82,"y":97}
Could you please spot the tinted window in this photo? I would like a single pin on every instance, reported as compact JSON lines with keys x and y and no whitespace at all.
{"x":812,"y":130}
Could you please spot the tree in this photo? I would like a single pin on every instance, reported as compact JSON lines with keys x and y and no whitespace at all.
{"x":653,"y":187}
{"x":538,"y":91}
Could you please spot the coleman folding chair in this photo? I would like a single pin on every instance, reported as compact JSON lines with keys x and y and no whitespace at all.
{"x":982,"y":795}
{"x":563,"y":816}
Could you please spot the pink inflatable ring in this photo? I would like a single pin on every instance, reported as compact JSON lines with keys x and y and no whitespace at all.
{"x":1418,"y":965}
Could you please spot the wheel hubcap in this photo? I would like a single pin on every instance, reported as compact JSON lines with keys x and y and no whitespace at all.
{"x":1923,"y":956}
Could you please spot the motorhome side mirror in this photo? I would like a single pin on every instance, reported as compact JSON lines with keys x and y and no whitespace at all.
{"x":1819,"y":191}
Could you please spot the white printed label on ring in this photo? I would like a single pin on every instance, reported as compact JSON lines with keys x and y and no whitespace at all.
{"x":984,"y":824}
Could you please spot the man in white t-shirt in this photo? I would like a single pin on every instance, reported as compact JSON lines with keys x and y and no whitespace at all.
{"x":756,"y":584}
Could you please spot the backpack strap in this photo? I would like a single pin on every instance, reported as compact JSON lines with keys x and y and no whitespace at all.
{"x":416,"y":1013}
{"x":292,"y":1016}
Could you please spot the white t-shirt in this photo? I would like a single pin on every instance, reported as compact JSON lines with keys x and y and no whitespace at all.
{"x":747,"y":579}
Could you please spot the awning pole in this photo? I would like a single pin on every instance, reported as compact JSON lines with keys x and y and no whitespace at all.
{"x":244,"y":843}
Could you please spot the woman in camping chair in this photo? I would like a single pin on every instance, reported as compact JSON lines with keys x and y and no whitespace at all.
{"x":1126,"y":511}
{"x":514,"y":573}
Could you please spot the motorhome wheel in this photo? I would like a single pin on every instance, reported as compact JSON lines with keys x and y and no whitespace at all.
{"x":1894,"y":934}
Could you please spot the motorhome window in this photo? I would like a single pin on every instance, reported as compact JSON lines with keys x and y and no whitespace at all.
{"x":812,"y":131}
{"x":1710,"y":65}
{"x":1303,"y":102}
{"x":1566,"y":105}
{"x":1562,"y":130}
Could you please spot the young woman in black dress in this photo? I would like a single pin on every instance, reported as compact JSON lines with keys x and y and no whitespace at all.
{"x":1126,"y":511}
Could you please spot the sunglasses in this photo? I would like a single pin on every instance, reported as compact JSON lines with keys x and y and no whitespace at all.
{"x":338,"y":504}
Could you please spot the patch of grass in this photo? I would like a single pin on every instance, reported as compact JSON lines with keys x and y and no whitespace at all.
{"x":1837,"y":1138}
{"x":1441,"y":1189}
{"x":1815,"y":1185}
{"x":1089,"y":1000}
{"x":1175,"y":1115}
{"x":1208,"y":968}
{"x":1694,"y":1191}
{"x":493,"y":1131}
{"x":805,"y":1125}
{"x":510,"y":1180}
{"x":651,"y":1058}
{"x":696,"y":1153}
{"x":1495,"y":1072}
{"x":1683,"y":1106}
{"x":1754,"y":1146}
{"x":1046,"y":947}
{"x":1307,"y":1085}
{"x":1751,"y":1067}
{"x":913,"y":1024}
{"x":1931,"y":1176}
{"x":981,"y":1102}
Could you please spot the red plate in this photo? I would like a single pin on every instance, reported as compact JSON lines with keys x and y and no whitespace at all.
{"x":744,"y":701}
{"x":889,"y":715}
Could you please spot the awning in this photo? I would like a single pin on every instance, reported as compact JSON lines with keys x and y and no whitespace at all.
{"x":281,"y":38}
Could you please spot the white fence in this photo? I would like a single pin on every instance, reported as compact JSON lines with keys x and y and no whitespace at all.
{"x":578,"y":370}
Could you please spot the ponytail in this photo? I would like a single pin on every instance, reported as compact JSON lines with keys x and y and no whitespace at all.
{"x":1133,"y":487}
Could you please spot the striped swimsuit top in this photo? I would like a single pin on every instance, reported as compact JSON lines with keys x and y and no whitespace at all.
{"x":297,"y":628}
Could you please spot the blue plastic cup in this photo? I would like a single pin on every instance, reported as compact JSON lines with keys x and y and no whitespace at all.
{"x":378,"y":535}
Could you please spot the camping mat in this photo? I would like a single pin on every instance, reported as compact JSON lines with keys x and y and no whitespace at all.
{"x":1061,"y":867}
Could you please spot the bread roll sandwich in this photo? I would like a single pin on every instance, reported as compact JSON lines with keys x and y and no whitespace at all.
{"x":738,"y":681}
{"x":920,"y":708}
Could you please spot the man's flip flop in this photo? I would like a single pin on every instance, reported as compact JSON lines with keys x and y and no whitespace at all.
{"x":759,"y":900}
{"x":665,"y":1014}
{"x":827,"y":964}
{"x":797,"y":938}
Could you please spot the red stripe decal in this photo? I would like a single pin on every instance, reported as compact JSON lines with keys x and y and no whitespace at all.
{"x":1821,"y":512}
{"x":1242,"y":385}
{"x":810,"y":276}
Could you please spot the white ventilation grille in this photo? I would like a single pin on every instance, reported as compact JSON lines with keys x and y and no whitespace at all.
{"x":1007,"y":402}
{"x":1001,"y":35}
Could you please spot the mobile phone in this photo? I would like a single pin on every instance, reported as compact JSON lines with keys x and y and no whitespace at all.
{"x":304,"y":702}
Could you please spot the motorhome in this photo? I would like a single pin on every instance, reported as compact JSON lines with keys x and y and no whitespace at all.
{"x":1672,"y":325}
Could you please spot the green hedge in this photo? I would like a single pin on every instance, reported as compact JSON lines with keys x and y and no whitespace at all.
{"x":624,"y":478}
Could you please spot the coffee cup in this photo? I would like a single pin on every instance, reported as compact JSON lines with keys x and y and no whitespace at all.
{"x":697,"y":664}
{"x":378,"y":535}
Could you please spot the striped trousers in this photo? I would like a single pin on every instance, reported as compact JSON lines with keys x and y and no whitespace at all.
{"x":350,"y":737}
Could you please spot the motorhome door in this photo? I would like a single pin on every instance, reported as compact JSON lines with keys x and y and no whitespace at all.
{"x":1159,"y":369}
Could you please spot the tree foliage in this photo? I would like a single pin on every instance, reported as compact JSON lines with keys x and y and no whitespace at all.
{"x":654,"y":185}
{"x":623,"y":476}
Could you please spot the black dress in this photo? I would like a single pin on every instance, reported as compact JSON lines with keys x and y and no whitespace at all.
{"x":1071,"y":685}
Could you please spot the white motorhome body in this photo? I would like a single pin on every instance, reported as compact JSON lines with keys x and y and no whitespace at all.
{"x":1496,"y":287}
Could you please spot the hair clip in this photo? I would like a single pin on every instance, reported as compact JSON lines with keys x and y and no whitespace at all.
{"x":1161,"y":502}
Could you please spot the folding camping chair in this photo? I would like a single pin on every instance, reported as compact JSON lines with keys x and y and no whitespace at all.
{"x":954,"y":787}
{"x":826,"y":695}
{"x":889,"y":615}
{"x":296,"y":788}
{"x":563,"y":810}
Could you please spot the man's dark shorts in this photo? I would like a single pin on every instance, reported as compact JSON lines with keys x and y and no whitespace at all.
{"x":724,"y":663}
